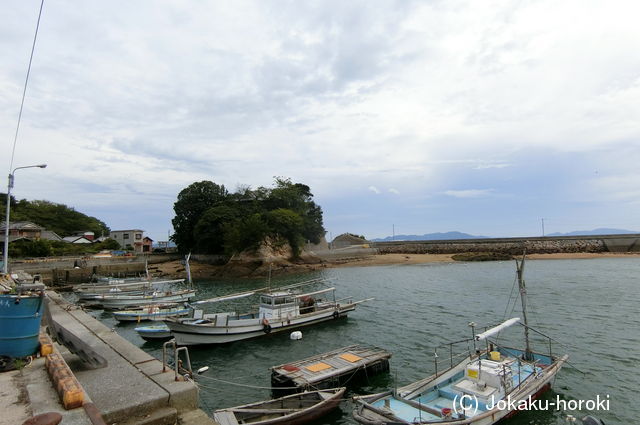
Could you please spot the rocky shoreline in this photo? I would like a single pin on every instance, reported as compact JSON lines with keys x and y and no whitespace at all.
{"x":208,"y":271}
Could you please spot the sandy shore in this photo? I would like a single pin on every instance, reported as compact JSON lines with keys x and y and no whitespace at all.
{"x":203,"y":271}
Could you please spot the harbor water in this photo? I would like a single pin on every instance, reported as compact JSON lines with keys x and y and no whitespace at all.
{"x":589,"y":306}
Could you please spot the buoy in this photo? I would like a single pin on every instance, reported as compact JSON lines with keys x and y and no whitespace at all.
{"x":296,"y":335}
{"x":203,"y":369}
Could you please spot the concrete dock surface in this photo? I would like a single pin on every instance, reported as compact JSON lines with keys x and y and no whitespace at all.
{"x":131,"y":389}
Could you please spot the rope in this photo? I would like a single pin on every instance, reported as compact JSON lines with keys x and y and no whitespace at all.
{"x":24,"y":91}
{"x":258,"y":387}
{"x":247,"y":385}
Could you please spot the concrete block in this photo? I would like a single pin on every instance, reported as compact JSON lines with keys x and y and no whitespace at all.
{"x":183,"y":395}
{"x":165,"y":416}
{"x":195,"y":417}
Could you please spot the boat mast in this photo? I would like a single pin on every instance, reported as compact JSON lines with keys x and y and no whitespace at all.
{"x":523,"y":297}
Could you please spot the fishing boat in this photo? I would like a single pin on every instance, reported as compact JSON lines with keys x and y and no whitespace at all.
{"x":151,"y":312}
{"x":279,"y":310}
{"x":117,"y":302}
{"x":491,"y":383}
{"x":87,"y":291}
{"x":154,"y":332}
{"x":292,"y":410}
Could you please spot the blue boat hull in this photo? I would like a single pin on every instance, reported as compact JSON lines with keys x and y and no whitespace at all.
{"x":20,"y":319}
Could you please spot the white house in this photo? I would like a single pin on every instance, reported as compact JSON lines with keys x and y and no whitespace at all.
{"x":133,"y":238}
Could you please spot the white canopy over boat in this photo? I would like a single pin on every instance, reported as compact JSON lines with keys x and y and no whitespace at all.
{"x":497,"y":329}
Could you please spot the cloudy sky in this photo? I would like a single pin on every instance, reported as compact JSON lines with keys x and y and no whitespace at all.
{"x":427,"y":116}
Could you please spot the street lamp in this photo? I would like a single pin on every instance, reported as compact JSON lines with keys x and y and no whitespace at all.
{"x":5,"y":263}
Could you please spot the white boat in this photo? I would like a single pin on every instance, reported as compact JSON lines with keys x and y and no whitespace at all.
{"x":112,"y":285}
{"x":279,"y":311}
{"x":154,"y":332}
{"x":115,"y":302}
{"x":151,"y":312}
{"x":490,"y":384}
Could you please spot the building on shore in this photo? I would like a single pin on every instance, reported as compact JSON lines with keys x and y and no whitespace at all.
{"x":133,"y":239}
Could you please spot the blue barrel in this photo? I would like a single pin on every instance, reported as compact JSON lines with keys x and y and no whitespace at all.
{"x":20,"y":318}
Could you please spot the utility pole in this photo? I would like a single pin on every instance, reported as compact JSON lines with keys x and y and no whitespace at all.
{"x":393,"y":232}
{"x":542,"y":227}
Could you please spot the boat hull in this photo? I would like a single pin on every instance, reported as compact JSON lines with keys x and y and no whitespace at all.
{"x":366,"y":414}
{"x":139,"y":316}
{"x":153,"y":333}
{"x":327,"y":401}
{"x":199,"y":334}
{"x":20,"y":318}
{"x":115,"y":302}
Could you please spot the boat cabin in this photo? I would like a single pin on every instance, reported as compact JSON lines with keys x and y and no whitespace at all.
{"x":279,"y":305}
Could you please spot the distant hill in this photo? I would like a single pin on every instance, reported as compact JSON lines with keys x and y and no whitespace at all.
{"x":600,"y":231}
{"x":59,"y":218}
{"x":429,"y":237}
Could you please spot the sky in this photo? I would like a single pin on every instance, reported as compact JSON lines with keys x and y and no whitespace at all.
{"x":405,"y":116}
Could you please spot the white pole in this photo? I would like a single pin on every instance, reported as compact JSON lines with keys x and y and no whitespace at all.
{"x":5,"y":258}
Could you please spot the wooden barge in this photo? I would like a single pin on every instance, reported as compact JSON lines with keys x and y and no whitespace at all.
{"x":329,"y":370}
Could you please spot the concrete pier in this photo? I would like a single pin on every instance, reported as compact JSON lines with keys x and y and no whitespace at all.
{"x":132,"y":388}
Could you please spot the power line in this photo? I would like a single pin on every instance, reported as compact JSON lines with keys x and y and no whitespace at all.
{"x":26,"y":81}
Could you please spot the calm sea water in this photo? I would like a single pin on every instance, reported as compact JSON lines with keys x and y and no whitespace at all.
{"x":590,"y":306}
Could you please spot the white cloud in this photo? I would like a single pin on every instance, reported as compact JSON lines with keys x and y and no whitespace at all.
{"x":394,"y":191}
{"x":469,"y":193}
{"x":337,"y":95}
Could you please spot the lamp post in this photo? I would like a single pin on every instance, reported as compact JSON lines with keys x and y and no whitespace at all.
{"x":5,"y":263}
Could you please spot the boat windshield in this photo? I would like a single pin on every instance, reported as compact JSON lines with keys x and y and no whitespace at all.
{"x":278,"y":300}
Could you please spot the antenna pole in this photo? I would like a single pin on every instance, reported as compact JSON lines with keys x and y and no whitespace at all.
{"x":523,"y":298}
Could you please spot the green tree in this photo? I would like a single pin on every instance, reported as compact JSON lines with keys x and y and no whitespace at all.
{"x":58,"y":218}
{"x":246,"y":233}
{"x":28,"y":248}
{"x":287,"y":224}
{"x":210,"y":220}
{"x":209,"y":231}
{"x":298,"y":197}
{"x":192,"y":203}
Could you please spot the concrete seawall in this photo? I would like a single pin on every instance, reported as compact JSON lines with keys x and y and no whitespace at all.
{"x":513,"y":246}
{"x":80,"y":269}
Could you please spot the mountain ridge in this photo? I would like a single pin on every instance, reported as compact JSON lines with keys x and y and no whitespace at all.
{"x":454,"y":235}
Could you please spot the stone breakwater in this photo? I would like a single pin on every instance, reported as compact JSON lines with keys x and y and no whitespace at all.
{"x":503,"y":247}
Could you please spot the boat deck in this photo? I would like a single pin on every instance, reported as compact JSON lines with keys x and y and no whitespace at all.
{"x":330,"y":369}
{"x":429,"y":405}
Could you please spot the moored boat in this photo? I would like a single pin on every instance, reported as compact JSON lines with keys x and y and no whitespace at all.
{"x":154,"y":332}
{"x":280,"y":310}
{"x":491,"y":383}
{"x":115,"y":302}
{"x":90,"y":290}
{"x":151,"y":312}
{"x":292,"y":410}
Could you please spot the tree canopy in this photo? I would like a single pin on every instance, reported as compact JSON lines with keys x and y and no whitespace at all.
{"x":63,"y":220}
{"x":208,"y":219}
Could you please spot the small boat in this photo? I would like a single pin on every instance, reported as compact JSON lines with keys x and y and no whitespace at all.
{"x":151,"y":312}
{"x":488,"y":385}
{"x":91,"y":290}
{"x":291,"y":410}
{"x":116,"y":302}
{"x":154,"y":332}
{"x":279,"y":310}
